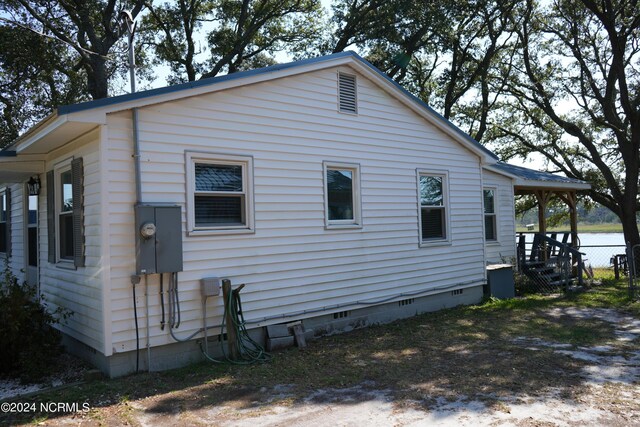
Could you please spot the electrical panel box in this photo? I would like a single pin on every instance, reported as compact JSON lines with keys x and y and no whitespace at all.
{"x":158,"y":239}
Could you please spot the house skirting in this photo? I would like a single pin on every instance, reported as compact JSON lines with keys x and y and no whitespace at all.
{"x":184,"y":353}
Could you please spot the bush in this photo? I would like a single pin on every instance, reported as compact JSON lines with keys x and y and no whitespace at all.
{"x":29,"y":341}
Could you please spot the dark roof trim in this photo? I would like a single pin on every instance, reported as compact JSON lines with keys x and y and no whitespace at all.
{"x":4,"y":153}
{"x":535,"y":175}
{"x":67,"y":109}
{"x":428,"y":108}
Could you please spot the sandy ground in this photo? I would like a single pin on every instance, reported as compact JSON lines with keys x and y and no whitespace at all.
{"x":73,"y":370}
{"x":610,"y":373}
{"x":607,"y":373}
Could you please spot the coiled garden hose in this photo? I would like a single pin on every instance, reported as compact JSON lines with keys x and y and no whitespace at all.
{"x":250,"y":351}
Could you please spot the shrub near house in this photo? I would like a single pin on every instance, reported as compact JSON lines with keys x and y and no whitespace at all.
{"x":28,"y":339}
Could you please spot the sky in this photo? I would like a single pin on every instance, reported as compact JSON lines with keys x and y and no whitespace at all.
{"x":534,"y":161}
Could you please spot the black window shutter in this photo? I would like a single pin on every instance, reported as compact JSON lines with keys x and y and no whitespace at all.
{"x":51,"y":217}
{"x":77,"y":178}
{"x":7,"y":194}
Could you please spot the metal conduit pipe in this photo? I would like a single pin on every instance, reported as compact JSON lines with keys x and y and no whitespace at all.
{"x":127,"y":19}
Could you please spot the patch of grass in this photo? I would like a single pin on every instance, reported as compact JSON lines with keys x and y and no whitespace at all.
{"x":465,"y":351}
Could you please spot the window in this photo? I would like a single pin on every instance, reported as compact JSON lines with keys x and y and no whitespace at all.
{"x":65,"y":214}
{"x":347,"y":94}
{"x":220,"y":193}
{"x":489,"y":200}
{"x":65,"y":218}
{"x":4,"y":222}
{"x":32,"y":230}
{"x":342,"y":195}
{"x":433,"y":206}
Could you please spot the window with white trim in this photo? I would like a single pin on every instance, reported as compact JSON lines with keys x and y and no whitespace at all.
{"x":342,"y":195}
{"x":4,"y":221}
{"x":490,"y":223}
{"x":219,"y":193}
{"x":432,"y":190}
{"x":64,"y":212}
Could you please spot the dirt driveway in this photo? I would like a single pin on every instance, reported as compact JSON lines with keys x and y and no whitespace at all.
{"x":607,"y":392}
{"x":540,"y":362}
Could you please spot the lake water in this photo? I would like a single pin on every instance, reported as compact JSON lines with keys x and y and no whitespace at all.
{"x":598,"y":247}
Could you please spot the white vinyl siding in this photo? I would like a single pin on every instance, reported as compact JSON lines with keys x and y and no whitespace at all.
{"x":16,"y":262}
{"x":77,"y":289}
{"x":293,"y":263}
{"x":502,"y":249}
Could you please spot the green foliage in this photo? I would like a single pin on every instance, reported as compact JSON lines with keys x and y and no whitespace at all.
{"x":29,"y":342}
{"x":559,"y":79}
{"x":453,"y":55}
{"x":240,"y":34}
{"x":573,"y":98}
{"x":558,"y":213}
{"x":34,"y":78}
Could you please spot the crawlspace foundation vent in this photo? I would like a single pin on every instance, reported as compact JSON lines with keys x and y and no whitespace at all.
{"x":341,"y":314}
{"x":404,"y":302}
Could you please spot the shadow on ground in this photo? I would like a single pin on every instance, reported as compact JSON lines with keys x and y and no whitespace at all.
{"x":474,"y":354}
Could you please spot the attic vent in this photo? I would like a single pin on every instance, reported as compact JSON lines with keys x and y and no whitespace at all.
{"x":347,"y":94}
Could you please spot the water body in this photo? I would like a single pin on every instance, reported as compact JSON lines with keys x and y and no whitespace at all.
{"x":600,"y":247}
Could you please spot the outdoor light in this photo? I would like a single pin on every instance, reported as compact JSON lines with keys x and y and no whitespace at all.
{"x":34,"y":186}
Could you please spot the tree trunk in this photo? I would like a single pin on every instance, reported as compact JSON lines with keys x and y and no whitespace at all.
{"x":97,"y":78}
{"x":631,"y":234}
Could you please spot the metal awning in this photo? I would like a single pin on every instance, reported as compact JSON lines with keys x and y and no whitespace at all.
{"x":528,"y":181}
{"x":544,"y":186}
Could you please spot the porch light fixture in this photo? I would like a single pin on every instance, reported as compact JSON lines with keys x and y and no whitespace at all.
{"x":34,"y":186}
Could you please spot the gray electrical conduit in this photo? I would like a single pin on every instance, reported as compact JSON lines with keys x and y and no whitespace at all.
{"x":298,"y":313}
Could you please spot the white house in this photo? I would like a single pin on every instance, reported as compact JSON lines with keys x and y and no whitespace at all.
{"x":337,"y":197}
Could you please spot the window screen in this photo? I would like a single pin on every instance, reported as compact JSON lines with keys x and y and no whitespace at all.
{"x":220,"y":196}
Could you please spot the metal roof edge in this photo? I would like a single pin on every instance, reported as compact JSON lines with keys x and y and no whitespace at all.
{"x":493,"y":168}
{"x":426,"y":106}
{"x":103,"y":102}
{"x":527,"y":175}
{"x":48,"y":119}
{"x":65,"y":110}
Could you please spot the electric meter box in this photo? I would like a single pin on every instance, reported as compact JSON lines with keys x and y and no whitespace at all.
{"x":158,"y":238}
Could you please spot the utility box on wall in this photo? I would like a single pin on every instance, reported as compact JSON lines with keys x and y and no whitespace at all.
{"x":158,"y":238}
